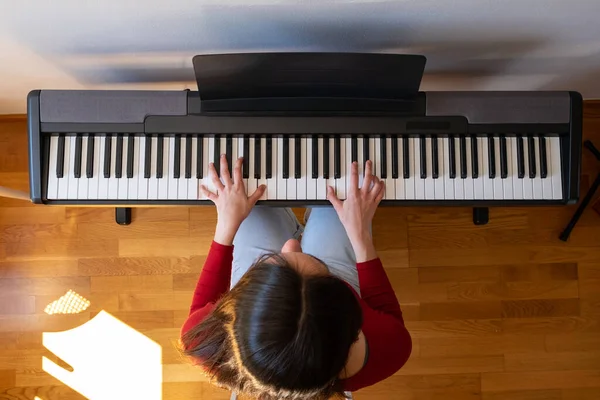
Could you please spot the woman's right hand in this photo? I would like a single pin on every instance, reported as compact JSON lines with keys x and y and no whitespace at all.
{"x":357,"y":211}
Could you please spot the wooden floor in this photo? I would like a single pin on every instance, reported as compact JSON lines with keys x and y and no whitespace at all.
{"x":503,"y":311}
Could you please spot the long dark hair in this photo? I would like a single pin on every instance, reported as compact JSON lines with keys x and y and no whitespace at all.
{"x":278,"y":334}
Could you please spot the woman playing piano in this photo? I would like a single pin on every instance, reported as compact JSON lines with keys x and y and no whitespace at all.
{"x":302,"y":320}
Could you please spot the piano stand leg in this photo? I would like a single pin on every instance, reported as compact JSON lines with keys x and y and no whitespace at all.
{"x":481,"y":215}
{"x":123,"y":215}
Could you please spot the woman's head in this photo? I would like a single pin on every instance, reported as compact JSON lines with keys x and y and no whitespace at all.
{"x":283,"y":332}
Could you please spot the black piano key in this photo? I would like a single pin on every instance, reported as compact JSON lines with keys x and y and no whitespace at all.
{"x":200,"y":158}
{"x":78,"y":151}
{"x":315,"y":157}
{"x":492,"y":157}
{"x":451,"y":157}
{"x":405,"y":158}
{"x":269,"y":155}
{"x":257,"y":157}
{"x":177,"y":161}
{"x":130,"y":153}
{"x":297,"y":157}
{"x":463,"y":156}
{"x":382,"y":158}
{"x":337,"y":157}
{"x":148,"y":157}
{"x":520,"y":157}
{"x":89,"y":170}
{"x":217,"y":154}
{"x":543,"y":158}
{"x":188,"y":157}
{"x":395,"y":164}
{"x":246,"y":163}
{"x":229,"y":151}
{"x":423,"y":156}
{"x":159,"y":156}
{"x":354,"y":148}
{"x":119,"y":155}
{"x":60,"y":157}
{"x":531,"y":148}
{"x":326,"y":157}
{"x":286,"y":158}
{"x":107,"y":151}
{"x":503,"y":158}
{"x":474,"y":157}
{"x":435,"y":167}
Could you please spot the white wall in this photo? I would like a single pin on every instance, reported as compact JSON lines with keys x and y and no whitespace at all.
{"x":470,"y":44}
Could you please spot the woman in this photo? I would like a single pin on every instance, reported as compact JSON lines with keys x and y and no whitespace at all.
{"x":303,"y":320}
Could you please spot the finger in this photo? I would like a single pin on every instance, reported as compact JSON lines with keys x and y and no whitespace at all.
{"x":257,"y":195}
{"x":237,"y":172}
{"x":225,"y":175}
{"x":212,"y":172}
{"x":374,"y":183}
{"x":354,"y":176}
{"x":333,"y":199}
{"x":368,"y":181}
{"x":208,"y":194}
{"x":381,"y":193}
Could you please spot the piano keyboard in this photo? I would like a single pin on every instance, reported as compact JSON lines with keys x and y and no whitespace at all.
{"x":427,"y":167}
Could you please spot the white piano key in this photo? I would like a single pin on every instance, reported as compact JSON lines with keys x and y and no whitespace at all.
{"x":252,"y":181}
{"x":517,"y":185}
{"x":73,"y":190}
{"x":263,"y":168}
{"x":409,"y":184}
{"x":488,"y":184}
{"x":113,"y":182}
{"x":142,"y":189}
{"x":82,"y":189}
{"x":291,"y":182}
{"x":538,"y":192}
{"x":459,"y":183}
{"x":498,"y":181}
{"x":272,"y":183}
{"x":468,"y":182}
{"x":377,"y":159}
{"x":163,"y":183}
{"x":321,"y":182}
{"x":123,"y":182}
{"x":209,"y":147}
{"x":96,"y":172}
{"x":102,"y":181}
{"x":240,"y":152}
{"x":399,"y":183}
{"x":347,"y":165}
{"x":390,"y":182}
{"x":153,"y":181}
{"x":478,"y":191}
{"x":182,"y":183}
{"x":555,"y":167}
{"x":416,"y":172}
{"x":192,"y":182}
{"x":448,"y":183}
{"x":439,"y":189}
{"x":63,"y":183}
{"x":373,"y":157}
{"x":429,"y":184}
{"x":331,"y":180}
{"x":527,"y":182}
{"x":52,"y":191}
{"x":173,"y":184}
{"x":278,"y":170}
{"x":132,"y":193}
{"x":301,"y":184}
{"x":311,"y":183}
{"x":360,"y":161}
{"x":547,"y":182}
{"x":511,"y":163}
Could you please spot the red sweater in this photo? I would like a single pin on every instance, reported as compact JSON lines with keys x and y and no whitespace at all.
{"x":388,"y":340}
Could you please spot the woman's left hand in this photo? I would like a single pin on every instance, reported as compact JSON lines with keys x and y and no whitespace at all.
{"x":232,"y":202}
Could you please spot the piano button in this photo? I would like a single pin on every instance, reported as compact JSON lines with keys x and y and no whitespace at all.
{"x":164,"y":161}
{"x":555,"y":167}
{"x":543,"y":157}
{"x":418,"y":164}
{"x":96,"y":178}
{"x":311,"y":174}
{"x":285,"y":159}
{"x":514,"y":171}
{"x":395,"y":165}
{"x":182,"y":184}
{"x":498,"y":183}
{"x":130,"y":152}
{"x":354,"y":148}
{"x":315,"y":156}
{"x":173,"y":165}
{"x":406,"y":160}
{"x":119,"y":157}
{"x":153,"y":180}
{"x":449,"y":185}
{"x":89,"y":168}
{"x":508,"y":181}
{"x":272,"y":188}
{"x":474,"y":157}
{"x":113,"y":182}
{"x":176,"y":157}
{"x":503,"y":158}
{"x":281,"y":169}
{"x":52,"y":189}
{"x":297,"y":157}
{"x":390,"y":182}
{"x":527,"y":181}
{"x":122,"y":179}
{"x":491,"y":157}
{"x":463,"y":156}
{"x":145,"y":146}
{"x":366,"y":151}
{"x":520,"y":157}
{"x":147,"y":156}
{"x":478,"y":188}
{"x":217,"y":154}
{"x":383,"y":164}
{"x":60,"y":153}
{"x":82,"y":190}
{"x":325,"y":159}
{"x":107,"y":155}
{"x":337,"y":157}
{"x":78,"y":152}
{"x":160,"y":156}
{"x":229,"y":151}
{"x":132,"y":185}
{"x":189,"y":142}
{"x":73,"y":181}
{"x":291,"y":182}
{"x":452,"y":157}
{"x":199,"y":159}
{"x":257,"y":157}
{"x":531,"y":156}
{"x":423,"y":156}
{"x":435,"y":166}
{"x":246,"y":155}
{"x":537,"y":181}
{"x":488,"y":184}
{"x":321,"y":181}
{"x":468,"y":181}
{"x":269,"y":157}
{"x":263,"y":167}
{"x":399,"y":182}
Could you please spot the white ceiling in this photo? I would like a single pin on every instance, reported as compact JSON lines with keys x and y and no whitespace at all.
{"x":470,"y":44}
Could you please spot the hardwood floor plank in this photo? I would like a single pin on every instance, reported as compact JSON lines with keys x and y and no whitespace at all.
{"x":132,"y":283}
{"x":480,"y":346}
{"x":524,"y":395}
{"x":536,"y":380}
{"x":552,"y":361}
{"x":452,"y":365}
{"x":155,"y":301}
{"x":44,"y":286}
{"x":513,"y":290}
{"x":116,"y":266}
{"x":460,"y":310}
{"x":540,"y":308}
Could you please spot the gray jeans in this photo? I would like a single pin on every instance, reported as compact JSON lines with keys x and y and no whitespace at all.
{"x":268,"y":228}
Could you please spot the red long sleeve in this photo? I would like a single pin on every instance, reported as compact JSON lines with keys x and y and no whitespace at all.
{"x":215,"y":277}
{"x":376,"y":289}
